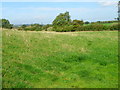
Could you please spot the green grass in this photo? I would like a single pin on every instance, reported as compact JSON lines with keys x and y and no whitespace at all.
{"x":106,"y":24}
{"x":60,"y":60}
{"x":109,"y":24}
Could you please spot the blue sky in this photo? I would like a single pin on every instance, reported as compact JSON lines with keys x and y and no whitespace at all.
{"x":45,"y":12}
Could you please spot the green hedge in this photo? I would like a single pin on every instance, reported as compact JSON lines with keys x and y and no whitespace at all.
{"x":63,"y":28}
{"x":32,"y":28}
{"x":93,"y":27}
{"x":71,"y":28}
{"x":114,"y":27}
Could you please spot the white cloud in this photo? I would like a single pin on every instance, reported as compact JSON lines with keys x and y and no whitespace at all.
{"x":108,"y":3}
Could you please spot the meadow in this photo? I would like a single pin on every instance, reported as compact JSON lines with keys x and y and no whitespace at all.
{"x":47,"y":59}
{"x":107,"y":24}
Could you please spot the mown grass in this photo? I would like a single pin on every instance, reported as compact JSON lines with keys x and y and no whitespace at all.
{"x":60,"y":60}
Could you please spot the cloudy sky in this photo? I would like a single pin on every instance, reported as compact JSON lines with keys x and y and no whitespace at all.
{"x":28,"y":12}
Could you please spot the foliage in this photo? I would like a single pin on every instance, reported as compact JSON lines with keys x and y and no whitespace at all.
{"x":65,"y":28}
{"x":22,"y":27}
{"x":32,"y":27}
{"x":87,"y":22}
{"x":62,"y":19}
{"x":47,"y":27}
{"x":90,"y":27}
{"x":6,"y":24}
{"x":63,"y":23}
{"x":77,"y":22}
{"x":114,"y":21}
{"x":115,"y":27}
{"x":93,"y":27}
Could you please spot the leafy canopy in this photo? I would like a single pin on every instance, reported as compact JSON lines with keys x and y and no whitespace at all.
{"x":6,"y":24}
{"x":62,"y":19}
{"x":77,"y":22}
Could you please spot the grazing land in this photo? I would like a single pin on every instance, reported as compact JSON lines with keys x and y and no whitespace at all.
{"x":44,"y":59}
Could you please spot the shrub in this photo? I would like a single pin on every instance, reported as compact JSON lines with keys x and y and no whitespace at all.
{"x":32,"y":27}
{"x":47,"y":27}
{"x":6,"y":24}
{"x":93,"y":27}
{"x":63,"y":28}
{"x":114,"y":27}
{"x":87,"y":22}
{"x":77,"y":22}
{"x":19,"y":28}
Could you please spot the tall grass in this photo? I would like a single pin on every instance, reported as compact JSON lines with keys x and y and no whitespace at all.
{"x":60,"y":60}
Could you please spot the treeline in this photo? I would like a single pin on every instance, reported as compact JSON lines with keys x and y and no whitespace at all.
{"x":32,"y":27}
{"x":98,"y":27}
{"x":63,"y":23}
{"x":105,"y":22}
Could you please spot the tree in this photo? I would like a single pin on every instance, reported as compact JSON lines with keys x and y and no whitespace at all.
{"x":46,"y":27}
{"x":98,"y":21}
{"x":77,"y":22}
{"x":23,"y":26}
{"x":62,"y":19}
{"x":87,"y":22}
{"x":6,"y":24}
{"x":36,"y":25}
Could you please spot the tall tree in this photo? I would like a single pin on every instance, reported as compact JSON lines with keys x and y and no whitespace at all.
{"x":6,"y":24}
{"x":62,"y":19}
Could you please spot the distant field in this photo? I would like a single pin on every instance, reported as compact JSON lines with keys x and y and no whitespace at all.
{"x":60,"y":60}
{"x":108,"y":24}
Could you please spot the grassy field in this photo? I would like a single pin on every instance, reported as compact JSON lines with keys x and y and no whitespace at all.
{"x":106,"y":24}
{"x":60,"y":60}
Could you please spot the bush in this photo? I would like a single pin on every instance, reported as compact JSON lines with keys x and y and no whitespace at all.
{"x":114,"y":27}
{"x":93,"y":27}
{"x":6,"y":24}
{"x":19,"y":28}
{"x":32,"y":27}
{"x":87,"y":22}
{"x":47,"y":27}
{"x":63,"y":28}
{"x":77,"y":22}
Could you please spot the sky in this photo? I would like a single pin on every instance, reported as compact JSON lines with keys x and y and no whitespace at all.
{"x":45,"y":12}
